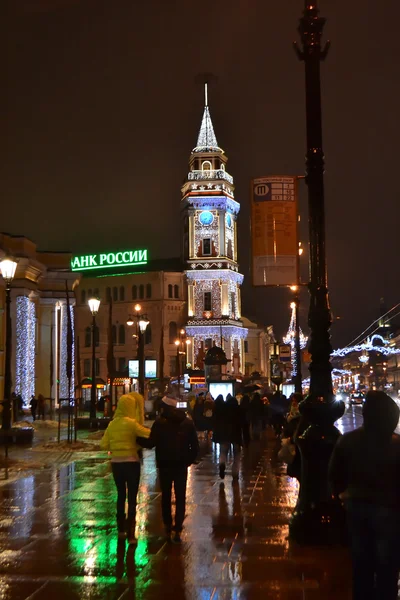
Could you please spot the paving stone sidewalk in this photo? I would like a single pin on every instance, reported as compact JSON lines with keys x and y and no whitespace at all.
{"x":58,"y":540}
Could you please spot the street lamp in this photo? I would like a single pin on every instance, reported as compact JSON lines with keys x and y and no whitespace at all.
{"x":94,"y":304}
{"x":141,"y":325}
{"x":295,"y":305}
{"x":7,"y":268}
{"x":317,"y":517}
{"x":180,"y":344}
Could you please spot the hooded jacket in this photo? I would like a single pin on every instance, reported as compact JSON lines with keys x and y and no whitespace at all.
{"x":120,"y":435}
{"x":175,"y":439}
{"x":365,"y":463}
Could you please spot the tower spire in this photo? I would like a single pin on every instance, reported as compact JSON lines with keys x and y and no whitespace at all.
{"x":206,"y":94}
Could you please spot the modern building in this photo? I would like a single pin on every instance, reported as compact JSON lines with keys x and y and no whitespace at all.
{"x":39,"y":319}
{"x":158,"y":286}
{"x":209,"y":220}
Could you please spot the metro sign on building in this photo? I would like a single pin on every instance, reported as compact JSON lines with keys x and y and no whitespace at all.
{"x":87,"y":262}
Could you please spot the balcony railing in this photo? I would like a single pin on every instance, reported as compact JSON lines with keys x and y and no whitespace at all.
{"x":213,"y":174}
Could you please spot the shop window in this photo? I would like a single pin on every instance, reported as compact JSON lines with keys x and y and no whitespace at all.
{"x":169,"y":291}
{"x":134,"y":292}
{"x":207,"y":301}
{"x":148,"y":290}
{"x":121,"y":334}
{"x":176,"y":291}
{"x":173,"y":332}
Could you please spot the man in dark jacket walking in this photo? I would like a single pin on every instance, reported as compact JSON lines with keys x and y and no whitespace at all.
{"x":364,"y":473}
{"x":175,"y":439}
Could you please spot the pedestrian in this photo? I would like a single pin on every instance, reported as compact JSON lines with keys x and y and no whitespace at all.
{"x":256,"y":411}
{"x":174,"y":437}
{"x":41,"y":405}
{"x":278,"y":409}
{"x":33,"y":404}
{"x":119,"y":440}
{"x":198,"y":414}
{"x":228,"y":424}
{"x":245,"y":419}
{"x":208,"y":414}
{"x":364,"y":473}
{"x":20,"y":405}
{"x":290,"y":433}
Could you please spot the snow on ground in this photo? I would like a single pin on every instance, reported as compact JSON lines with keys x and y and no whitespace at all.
{"x":65,"y":446}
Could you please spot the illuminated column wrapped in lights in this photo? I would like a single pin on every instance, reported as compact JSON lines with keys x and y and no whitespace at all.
{"x":64,"y":351}
{"x":25,"y":348}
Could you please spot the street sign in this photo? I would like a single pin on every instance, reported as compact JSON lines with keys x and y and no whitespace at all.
{"x":108,"y":260}
{"x":285,"y":353}
{"x":274,"y":231}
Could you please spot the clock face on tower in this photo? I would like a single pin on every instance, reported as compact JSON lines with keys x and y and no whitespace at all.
{"x":206,"y":217}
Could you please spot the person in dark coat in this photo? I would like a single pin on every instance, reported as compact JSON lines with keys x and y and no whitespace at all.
{"x":228,"y":432}
{"x":245,"y":418}
{"x":174,"y":436}
{"x":291,"y":430}
{"x":278,"y":408}
{"x":199,"y":419}
{"x":33,"y":403}
{"x":364,"y":473}
{"x":256,"y":412}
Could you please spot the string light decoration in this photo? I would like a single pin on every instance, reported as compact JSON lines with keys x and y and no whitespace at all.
{"x":207,"y":141}
{"x":224,"y":276}
{"x":64,"y":352}
{"x":197,"y":175}
{"x":210,"y":231}
{"x":290,"y":338}
{"x":369,"y":346}
{"x":212,"y":202}
{"x":25,"y":348}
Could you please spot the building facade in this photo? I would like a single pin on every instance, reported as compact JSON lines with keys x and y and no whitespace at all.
{"x":159,"y":288}
{"x":259,"y":347}
{"x":209,"y":214}
{"x":39,"y":319}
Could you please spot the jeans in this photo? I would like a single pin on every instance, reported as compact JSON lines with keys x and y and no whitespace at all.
{"x":223,"y":455}
{"x":374,"y":532}
{"x":176,"y":475}
{"x":126,"y":475}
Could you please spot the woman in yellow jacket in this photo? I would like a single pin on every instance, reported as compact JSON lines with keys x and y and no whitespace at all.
{"x":119,"y":440}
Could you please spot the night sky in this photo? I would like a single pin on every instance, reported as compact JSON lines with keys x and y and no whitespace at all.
{"x":100,"y":108}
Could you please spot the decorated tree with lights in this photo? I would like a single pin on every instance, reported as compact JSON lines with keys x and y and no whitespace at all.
{"x":209,"y":213}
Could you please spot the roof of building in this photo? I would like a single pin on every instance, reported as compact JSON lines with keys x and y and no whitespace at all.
{"x":173,"y":264}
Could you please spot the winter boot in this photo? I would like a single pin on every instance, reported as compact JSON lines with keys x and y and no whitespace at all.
{"x":131,"y":526}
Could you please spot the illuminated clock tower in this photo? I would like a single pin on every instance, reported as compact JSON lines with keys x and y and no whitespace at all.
{"x":210,"y":252}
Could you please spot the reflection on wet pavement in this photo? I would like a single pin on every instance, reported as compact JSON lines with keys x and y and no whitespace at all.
{"x":58,"y":537}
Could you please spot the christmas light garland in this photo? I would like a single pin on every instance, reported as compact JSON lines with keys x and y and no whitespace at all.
{"x":290,"y":339}
{"x":212,"y":202}
{"x":64,"y":353}
{"x":25,"y":348}
{"x":369,"y":346}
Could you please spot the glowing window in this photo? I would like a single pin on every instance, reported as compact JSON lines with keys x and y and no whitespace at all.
{"x":206,"y":166}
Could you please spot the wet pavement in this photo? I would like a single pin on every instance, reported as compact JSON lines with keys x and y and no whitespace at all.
{"x":58,"y":538}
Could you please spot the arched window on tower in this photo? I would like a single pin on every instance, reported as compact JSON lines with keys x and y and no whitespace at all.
{"x":222,"y":166}
{"x":176,"y":291}
{"x":173,"y":332}
{"x":229,"y":251}
{"x":206,"y":166}
{"x":169,"y":291}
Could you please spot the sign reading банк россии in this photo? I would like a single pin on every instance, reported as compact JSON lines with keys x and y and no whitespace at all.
{"x":86,"y":262}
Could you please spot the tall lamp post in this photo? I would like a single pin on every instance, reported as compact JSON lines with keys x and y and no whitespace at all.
{"x":297,"y":347}
{"x":317,"y":517}
{"x":141,"y":325}
{"x":7,"y":268}
{"x":94,"y":304}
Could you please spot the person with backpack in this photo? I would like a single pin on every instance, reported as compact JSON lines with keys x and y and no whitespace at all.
{"x":174,"y":437}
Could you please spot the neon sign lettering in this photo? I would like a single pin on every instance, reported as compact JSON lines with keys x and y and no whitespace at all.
{"x":87,"y":262}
